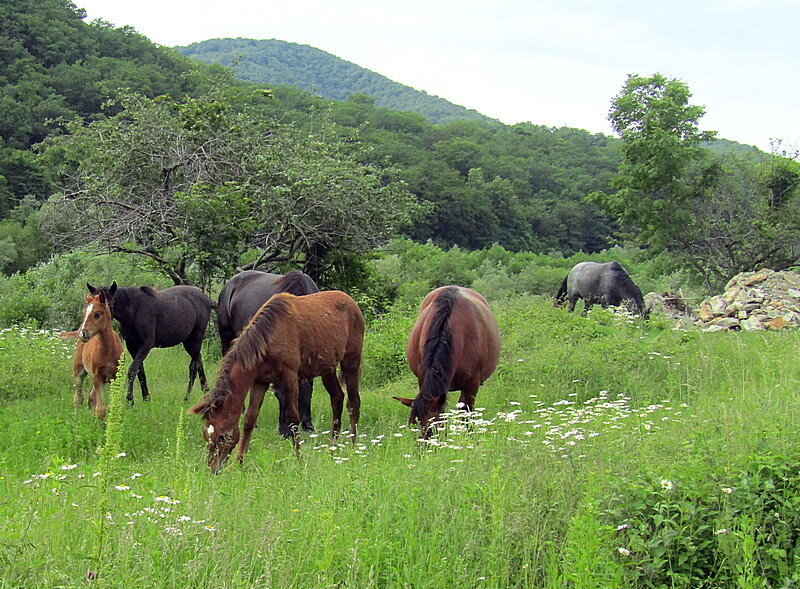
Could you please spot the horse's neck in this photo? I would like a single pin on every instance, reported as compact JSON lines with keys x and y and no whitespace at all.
{"x":239,"y":383}
{"x":107,"y":336}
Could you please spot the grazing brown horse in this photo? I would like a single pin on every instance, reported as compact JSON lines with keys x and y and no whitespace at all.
{"x":97,"y":353}
{"x":453,"y":346}
{"x":241,"y":298}
{"x":159,"y":319}
{"x":290,"y":338}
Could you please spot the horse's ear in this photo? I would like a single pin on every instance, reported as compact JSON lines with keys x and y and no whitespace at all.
{"x":112,"y":289}
{"x":92,"y":289}
{"x":101,"y":296}
{"x":404,"y":401}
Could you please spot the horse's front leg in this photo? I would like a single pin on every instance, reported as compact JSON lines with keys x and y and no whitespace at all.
{"x":80,"y":376}
{"x":253,"y":408}
{"x":137,"y":370}
{"x":96,"y":396}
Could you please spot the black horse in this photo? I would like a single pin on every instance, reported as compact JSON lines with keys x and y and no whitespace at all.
{"x":159,"y":319}
{"x":241,"y":298}
{"x":607,"y":284}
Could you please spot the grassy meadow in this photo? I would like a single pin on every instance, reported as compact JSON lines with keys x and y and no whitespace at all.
{"x":607,"y":453}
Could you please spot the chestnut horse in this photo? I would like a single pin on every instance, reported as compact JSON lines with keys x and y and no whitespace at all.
{"x":97,"y":353}
{"x":453,"y":346}
{"x":159,"y":319}
{"x":241,"y":298}
{"x":290,"y":338}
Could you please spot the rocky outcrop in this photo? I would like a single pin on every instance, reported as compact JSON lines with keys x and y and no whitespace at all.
{"x":753,"y":300}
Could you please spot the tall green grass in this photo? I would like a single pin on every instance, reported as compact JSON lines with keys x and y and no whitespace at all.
{"x":602,"y":456}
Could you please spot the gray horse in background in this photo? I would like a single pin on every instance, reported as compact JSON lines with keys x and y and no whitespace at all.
{"x":606,"y":284}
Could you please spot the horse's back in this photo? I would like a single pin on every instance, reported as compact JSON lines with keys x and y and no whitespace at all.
{"x":475,"y":337}
{"x":175,"y":313}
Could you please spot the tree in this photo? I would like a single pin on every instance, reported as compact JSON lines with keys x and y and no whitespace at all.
{"x":201,"y":187}
{"x":661,"y":144}
{"x":720,"y":215}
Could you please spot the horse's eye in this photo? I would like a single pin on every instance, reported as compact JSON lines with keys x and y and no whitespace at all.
{"x":97,"y":315}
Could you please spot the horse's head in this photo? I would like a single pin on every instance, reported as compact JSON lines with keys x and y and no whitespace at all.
{"x":96,"y":316}
{"x":427,"y":413}
{"x":109,"y":292}
{"x":221,"y":433}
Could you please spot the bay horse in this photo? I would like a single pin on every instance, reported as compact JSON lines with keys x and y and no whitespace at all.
{"x":97,"y":352}
{"x":151,"y":318}
{"x":607,"y":284}
{"x":453,"y":346}
{"x":241,"y":298}
{"x":289,"y":338}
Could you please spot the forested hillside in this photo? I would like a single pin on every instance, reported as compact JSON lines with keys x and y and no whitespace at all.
{"x":275,"y":62}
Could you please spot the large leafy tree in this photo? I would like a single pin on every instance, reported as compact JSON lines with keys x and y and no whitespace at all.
{"x":201,"y":187}
{"x":718,"y":214}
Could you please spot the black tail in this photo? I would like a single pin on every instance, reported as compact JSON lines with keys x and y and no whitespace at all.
{"x":561,"y":295}
{"x":437,"y":361}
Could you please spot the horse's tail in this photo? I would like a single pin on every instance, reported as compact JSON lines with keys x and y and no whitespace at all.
{"x":68,"y":335}
{"x":561,"y":295}
{"x":437,"y":361}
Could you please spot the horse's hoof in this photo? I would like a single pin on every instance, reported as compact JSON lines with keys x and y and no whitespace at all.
{"x":146,"y":398}
{"x":308,"y":426}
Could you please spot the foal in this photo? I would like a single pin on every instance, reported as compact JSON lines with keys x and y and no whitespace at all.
{"x":97,"y":353}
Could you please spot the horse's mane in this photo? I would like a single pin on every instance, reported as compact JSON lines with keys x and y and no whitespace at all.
{"x":296,"y":283}
{"x":247,"y":350}
{"x":436,"y":363}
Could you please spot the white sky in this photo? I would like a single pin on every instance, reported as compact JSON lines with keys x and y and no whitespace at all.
{"x":556,"y":63}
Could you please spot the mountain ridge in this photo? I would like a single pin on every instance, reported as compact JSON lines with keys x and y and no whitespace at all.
{"x":276,"y":62}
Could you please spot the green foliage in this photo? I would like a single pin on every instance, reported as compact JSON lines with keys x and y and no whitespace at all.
{"x":697,"y":533}
{"x":52,"y":294}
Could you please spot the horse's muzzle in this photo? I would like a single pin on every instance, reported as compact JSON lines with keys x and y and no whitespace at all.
{"x":84,"y":335}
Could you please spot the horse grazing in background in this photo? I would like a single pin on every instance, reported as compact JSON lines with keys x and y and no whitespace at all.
{"x":606,"y":283}
{"x":159,"y":319}
{"x":241,"y":298}
{"x":453,"y":346}
{"x":97,"y":352}
{"x":289,"y":339}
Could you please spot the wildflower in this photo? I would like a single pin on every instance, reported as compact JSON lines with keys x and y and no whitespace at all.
{"x":210,"y":528}
{"x":122,"y":487}
{"x":727,"y":490}
{"x":69,"y":466}
{"x":136,"y":475}
{"x":294,"y":510}
{"x":667,"y":484}
{"x":624,"y":551}
{"x":722,"y":531}
{"x":622,"y":527}
{"x":121,"y":455}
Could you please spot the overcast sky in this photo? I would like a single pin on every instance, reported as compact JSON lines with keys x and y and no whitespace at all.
{"x":555,"y":63}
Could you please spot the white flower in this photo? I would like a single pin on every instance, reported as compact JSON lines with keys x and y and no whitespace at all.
{"x":667,"y":484}
{"x":623,"y":551}
{"x":69,"y":466}
{"x":122,"y":487}
{"x":121,"y":455}
{"x":722,"y":531}
{"x":622,"y":527}
{"x":727,"y":490}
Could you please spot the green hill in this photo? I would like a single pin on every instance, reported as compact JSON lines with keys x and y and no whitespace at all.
{"x":277,"y":62}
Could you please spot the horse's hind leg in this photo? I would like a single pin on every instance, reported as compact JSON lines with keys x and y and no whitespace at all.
{"x":253,"y":408}
{"x":331,"y":384}
{"x":573,"y":299}
{"x":351,"y":369}
{"x":306,"y":387}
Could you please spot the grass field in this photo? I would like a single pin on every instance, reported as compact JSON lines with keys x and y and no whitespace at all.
{"x":607,"y":453}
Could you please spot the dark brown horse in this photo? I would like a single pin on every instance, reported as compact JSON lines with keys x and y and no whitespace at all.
{"x":97,"y":353}
{"x":289,"y":338}
{"x":159,"y":319}
{"x":453,"y":346}
{"x":241,"y":298}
